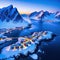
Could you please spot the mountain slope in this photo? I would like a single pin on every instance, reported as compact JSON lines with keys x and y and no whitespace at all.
{"x":58,"y":15}
{"x":10,"y":13}
{"x":45,"y":15}
{"x":10,"y":18}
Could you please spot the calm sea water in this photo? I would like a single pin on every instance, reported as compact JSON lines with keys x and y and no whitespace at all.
{"x":52,"y":50}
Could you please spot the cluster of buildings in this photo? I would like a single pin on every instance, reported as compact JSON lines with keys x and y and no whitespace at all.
{"x":4,"y":30}
{"x":24,"y":42}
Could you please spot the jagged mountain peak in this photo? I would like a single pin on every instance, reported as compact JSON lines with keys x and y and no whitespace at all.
{"x":44,"y":15}
{"x":10,"y":13}
{"x":58,"y":15}
{"x":33,"y":13}
{"x":36,"y":15}
{"x":10,"y":6}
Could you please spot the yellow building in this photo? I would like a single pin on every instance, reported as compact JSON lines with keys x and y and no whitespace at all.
{"x":0,"y":38}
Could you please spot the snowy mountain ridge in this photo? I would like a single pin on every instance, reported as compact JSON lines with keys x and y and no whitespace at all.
{"x":44,"y":14}
{"x":10,"y":13}
{"x":10,"y":18}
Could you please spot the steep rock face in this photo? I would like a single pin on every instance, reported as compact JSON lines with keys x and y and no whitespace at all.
{"x":11,"y":18}
{"x":10,"y":13}
{"x":39,"y":15}
{"x":44,"y":15}
{"x":33,"y":14}
{"x":58,"y":15}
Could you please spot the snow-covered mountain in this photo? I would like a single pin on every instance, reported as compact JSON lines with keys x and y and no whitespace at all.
{"x":26,"y":18}
{"x":9,"y":13}
{"x":58,"y":15}
{"x":10,"y":18}
{"x":44,"y":15}
{"x":36,"y":15}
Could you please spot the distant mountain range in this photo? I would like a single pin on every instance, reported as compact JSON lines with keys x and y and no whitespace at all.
{"x":44,"y":14}
{"x":10,"y":13}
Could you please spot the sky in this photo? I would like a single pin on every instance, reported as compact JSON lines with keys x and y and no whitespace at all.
{"x":27,"y":6}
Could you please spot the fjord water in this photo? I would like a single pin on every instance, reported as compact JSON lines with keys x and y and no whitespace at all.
{"x":54,"y":27}
{"x":52,"y":50}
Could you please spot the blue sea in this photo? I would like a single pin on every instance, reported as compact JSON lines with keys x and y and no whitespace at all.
{"x":52,"y":50}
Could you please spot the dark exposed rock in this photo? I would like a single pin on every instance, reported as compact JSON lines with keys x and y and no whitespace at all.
{"x":10,"y":13}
